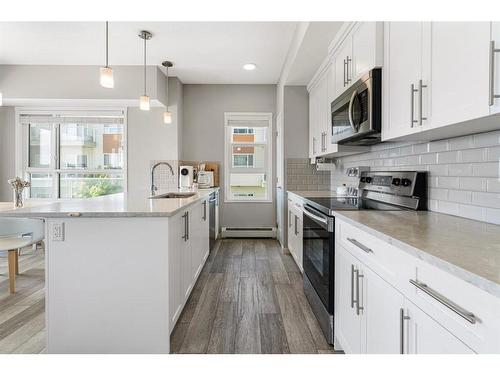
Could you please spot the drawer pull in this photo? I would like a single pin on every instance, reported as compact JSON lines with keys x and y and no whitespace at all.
{"x":467,"y":315}
{"x":360,"y":245}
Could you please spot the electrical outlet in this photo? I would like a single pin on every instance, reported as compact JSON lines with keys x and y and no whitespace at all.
{"x":57,"y":231}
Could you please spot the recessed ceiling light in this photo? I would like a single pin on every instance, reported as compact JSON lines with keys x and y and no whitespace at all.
{"x":249,"y":66}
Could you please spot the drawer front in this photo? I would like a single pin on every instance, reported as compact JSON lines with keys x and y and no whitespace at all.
{"x":390,"y":263}
{"x":450,"y":301}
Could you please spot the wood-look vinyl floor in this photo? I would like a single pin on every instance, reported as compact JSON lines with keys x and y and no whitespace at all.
{"x":22,"y":315}
{"x":249,"y":299}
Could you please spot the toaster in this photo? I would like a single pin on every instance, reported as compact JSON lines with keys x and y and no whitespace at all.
{"x":205,"y":179}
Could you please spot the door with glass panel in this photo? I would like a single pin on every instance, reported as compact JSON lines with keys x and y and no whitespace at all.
{"x":73,"y":156}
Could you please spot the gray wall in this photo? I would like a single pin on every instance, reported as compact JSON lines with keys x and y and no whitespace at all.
{"x":296,"y":111}
{"x":149,"y":139}
{"x":7,"y":148}
{"x":203,"y":138}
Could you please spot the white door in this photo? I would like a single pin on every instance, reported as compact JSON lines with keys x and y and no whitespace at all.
{"x":423,"y":335}
{"x":343,"y":66}
{"x":347,"y":320}
{"x":382,"y":309}
{"x":175,"y":246}
{"x":322,"y":114}
{"x":495,"y":89}
{"x":402,"y":68}
{"x":459,"y":85}
{"x":365,"y":48}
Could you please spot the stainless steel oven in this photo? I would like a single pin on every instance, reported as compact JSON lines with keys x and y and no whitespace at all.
{"x":318,"y":262}
{"x":357,"y":113}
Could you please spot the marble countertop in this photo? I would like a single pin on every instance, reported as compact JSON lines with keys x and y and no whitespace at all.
{"x":116,"y":205}
{"x":468,"y":249}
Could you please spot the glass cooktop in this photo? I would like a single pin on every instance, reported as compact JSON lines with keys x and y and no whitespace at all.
{"x":328,"y":205}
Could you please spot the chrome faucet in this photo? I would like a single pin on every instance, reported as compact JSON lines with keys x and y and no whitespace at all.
{"x":153,"y":187}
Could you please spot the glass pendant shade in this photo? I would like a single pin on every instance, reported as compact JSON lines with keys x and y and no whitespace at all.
{"x":144,"y":103}
{"x":106,"y":77}
{"x":167,"y":117}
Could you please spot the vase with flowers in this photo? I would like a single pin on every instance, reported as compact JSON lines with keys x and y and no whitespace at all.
{"x":18,"y":186}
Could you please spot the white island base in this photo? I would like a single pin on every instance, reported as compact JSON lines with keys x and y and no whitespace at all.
{"x":118,"y":284}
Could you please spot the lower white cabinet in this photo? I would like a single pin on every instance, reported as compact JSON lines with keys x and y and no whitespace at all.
{"x":295,"y":233}
{"x":377,"y":309}
{"x":188,"y":251}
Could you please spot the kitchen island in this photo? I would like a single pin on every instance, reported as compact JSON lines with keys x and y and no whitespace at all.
{"x":119,"y":269}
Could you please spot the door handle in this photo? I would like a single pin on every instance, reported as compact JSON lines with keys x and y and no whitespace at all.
{"x":421,"y":86}
{"x":347,"y":70}
{"x":187,"y":225}
{"x":492,"y":95}
{"x":205,"y":211}
{"x":345,"y":63}
{"x":359,"y":308}
{"x":360,"y":245}
{"x":351,"y":106}
{"x":467,"y":315}
{"x":412,"y":104}
{"x":295,"y":219}
{"x":184,"y":237}
{"x":402,"y":318}
{"x":352,"y":286}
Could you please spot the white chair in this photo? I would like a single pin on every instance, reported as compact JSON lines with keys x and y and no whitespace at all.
{"x":16,"y":233}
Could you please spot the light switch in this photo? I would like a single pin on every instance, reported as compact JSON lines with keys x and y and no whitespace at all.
{"x":57,"y":231}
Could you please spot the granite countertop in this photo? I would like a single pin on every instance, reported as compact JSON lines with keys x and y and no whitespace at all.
{"x":116,"y":205}
{"x":468,"y":249}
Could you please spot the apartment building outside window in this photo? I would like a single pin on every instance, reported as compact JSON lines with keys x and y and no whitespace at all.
{"x":72,"y":154}
{"x":248,"y":157}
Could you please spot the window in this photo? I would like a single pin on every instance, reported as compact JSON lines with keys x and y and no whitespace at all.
{"x":73,"y":155}
{"x":248,"y":157}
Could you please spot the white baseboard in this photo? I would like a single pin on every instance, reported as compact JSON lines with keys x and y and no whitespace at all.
{"x":248,"y":232}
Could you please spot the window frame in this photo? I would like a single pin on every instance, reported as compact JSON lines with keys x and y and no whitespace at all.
{"x":22,"y":148}
{"x":228,"y":159}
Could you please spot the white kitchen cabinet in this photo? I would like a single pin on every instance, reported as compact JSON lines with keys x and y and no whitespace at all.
{"x":402,"y":72}
{"x":423,"y":335}
{"x":495,"y":59}
{"x":188,"y":251}
{"x":383,"y":304}
{"x":318,"y":118}
{"x":347,"y":319}
{"x":459,"y":84}
{"x":343,"y":66}
{"x":367,"y":48}
{"x":295,"y":233}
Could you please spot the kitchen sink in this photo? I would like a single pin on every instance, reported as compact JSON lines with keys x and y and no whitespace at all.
{"x":173,"y":195}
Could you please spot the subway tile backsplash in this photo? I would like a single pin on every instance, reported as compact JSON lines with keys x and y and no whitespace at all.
{"x":463,"y":172}
{"x":302,"y":176}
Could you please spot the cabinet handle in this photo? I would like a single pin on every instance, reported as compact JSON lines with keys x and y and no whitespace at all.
{"x":345,"y":63}
{"x":412,"y":104}
{"x":360,"y":245}
{"x":421,"y":86}
{"x":314,"y":145}
{"x":205,"y":211}
{"x":295,"y":229}
{"x":402,"y":318}
{"x":358,"y":307}
{"x":347,"y":70}
{"x":187,"y":225}
{"x":184,"y":237}
{"x":467,"y":315}
{"x":352,"y":286}
{"x":289,"y":219}
{"x":492,"y":95}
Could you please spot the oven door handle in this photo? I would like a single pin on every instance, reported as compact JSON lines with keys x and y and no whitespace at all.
{"x":315,"y":217}
{"x":351,"y":105}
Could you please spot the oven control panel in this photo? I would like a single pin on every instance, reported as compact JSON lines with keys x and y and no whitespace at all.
{"x":401,"y":183}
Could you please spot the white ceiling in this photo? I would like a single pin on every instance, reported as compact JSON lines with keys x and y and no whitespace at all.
{"x":202,"y":52}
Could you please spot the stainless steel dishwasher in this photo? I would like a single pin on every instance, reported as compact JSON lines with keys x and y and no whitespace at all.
{"x":214,"y":216}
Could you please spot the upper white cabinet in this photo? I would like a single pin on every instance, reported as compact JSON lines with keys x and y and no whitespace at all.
{"x":436,"y":75}
{"x":359,"y":49}
{"x":402,"y":74}
{"x":494,"y":98}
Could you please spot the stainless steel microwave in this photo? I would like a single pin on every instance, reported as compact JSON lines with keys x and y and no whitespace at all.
{"x":357,"y":113}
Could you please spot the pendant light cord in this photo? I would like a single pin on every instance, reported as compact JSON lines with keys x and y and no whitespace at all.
{"x":167,"y":88}
{"x":107,"y":44}
{"x":145,"y":66}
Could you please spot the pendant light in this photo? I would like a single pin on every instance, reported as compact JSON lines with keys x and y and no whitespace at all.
{"x":167,"y":115}
{"x":144,"y":99}
{"x":106,"y":76}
